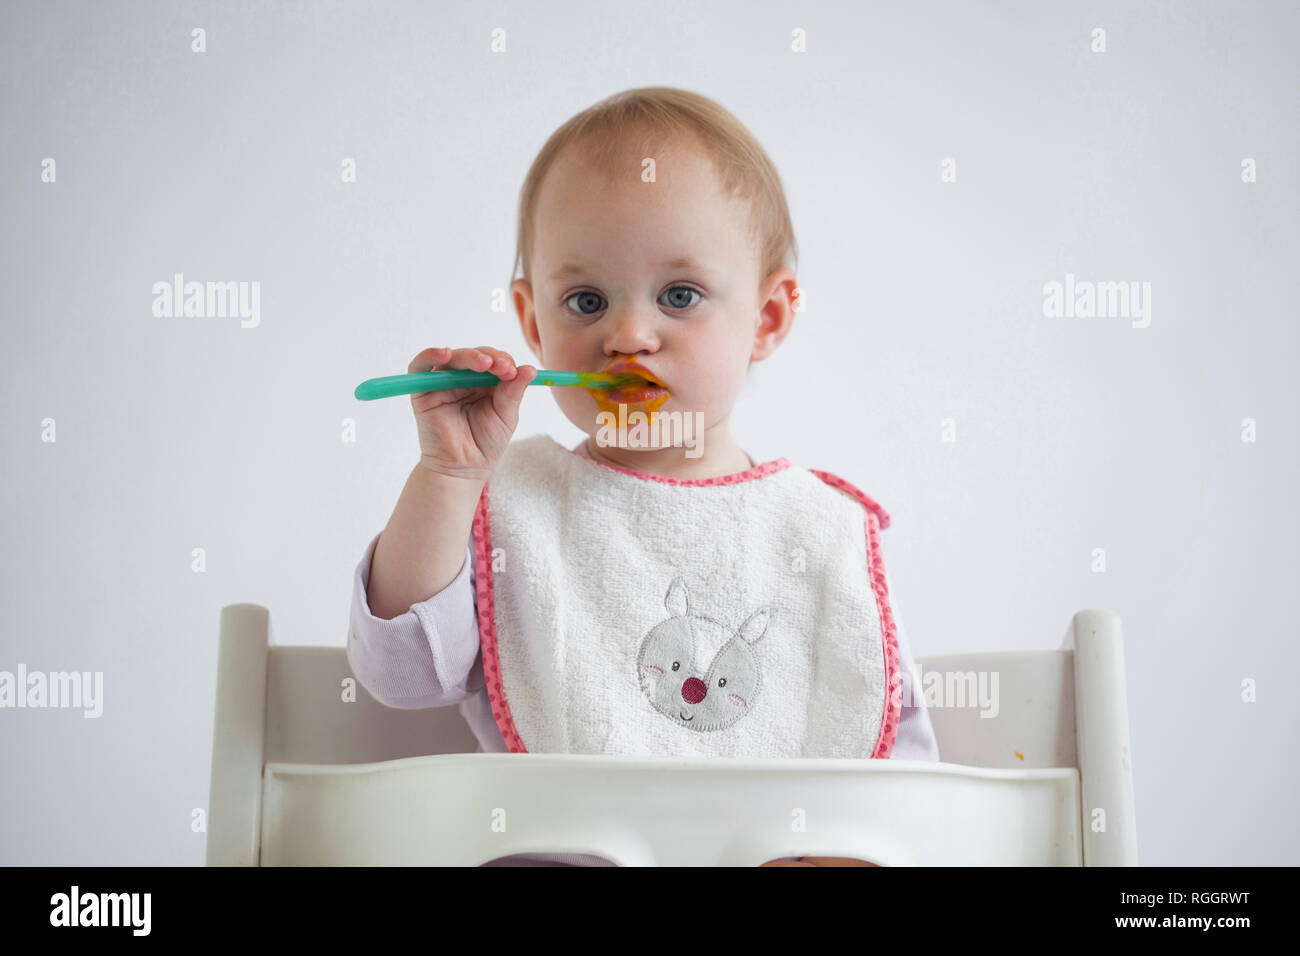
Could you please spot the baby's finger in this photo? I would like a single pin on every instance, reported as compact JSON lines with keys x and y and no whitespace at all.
{"x":473,"y":359}
{"x":511,"y":391}
{"x":428,"y":360}
{"x":503,"y":366}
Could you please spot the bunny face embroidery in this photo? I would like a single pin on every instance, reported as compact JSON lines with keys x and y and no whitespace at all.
{"x":700,"y":695}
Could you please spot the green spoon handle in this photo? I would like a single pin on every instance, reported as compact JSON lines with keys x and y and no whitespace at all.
{"x":413,"y":383}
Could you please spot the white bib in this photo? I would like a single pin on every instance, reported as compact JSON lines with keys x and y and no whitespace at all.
{"x":742,"y":616}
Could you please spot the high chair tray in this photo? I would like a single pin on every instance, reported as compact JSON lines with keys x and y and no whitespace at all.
{"x":466,"y":809}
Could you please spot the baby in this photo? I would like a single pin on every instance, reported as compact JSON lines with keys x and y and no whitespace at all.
{"x":653,"y":589}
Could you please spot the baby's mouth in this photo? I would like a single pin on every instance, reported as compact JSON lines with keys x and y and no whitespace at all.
{"x":638,"y":391}
{"x":643,"y":389}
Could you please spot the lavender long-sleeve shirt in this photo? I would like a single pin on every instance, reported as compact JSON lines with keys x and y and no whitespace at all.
{"x":430,"y":657}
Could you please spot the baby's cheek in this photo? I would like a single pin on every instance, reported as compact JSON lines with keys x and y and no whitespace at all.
{"x":577,"y":407}
{"x":718,"y":392}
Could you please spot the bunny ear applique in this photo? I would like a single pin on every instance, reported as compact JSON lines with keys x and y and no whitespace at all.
{"x":755,"y":625}
{"x":677,"y":600}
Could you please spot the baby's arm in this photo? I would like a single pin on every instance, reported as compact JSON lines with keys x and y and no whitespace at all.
{"x":423,"y":657}
{"x":422,"y":549}
{"x":394,"y":645}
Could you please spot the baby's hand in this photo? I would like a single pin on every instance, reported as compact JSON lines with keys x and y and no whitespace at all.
{"x":464,"y":431}
{"x":819,"y":861}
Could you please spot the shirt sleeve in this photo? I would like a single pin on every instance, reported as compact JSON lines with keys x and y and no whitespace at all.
{"x":425,"y":657}
{"x":915,"y":740}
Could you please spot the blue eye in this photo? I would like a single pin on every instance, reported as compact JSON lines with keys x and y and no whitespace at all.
{"x":591,"y":302}
{"x":679,"y":304}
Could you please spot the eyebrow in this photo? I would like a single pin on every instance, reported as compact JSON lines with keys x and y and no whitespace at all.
{"x":680,"y":262}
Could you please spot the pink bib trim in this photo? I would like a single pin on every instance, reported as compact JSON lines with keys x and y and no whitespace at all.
{"x":876,"y":520}
{"x":487,"y":627}
{"x":837,"y":482}
{"x":893,"y":674}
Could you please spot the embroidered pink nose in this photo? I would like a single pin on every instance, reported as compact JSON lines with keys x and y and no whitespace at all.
{"x":693,"y":690}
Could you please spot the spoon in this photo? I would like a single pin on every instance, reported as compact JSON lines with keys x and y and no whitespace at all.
{"x":438,"y":381}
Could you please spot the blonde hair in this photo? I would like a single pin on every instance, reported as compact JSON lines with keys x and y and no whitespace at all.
{"x":618,"y":131}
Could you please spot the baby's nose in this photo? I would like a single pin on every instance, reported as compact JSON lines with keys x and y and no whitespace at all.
{"x":693,"y":690}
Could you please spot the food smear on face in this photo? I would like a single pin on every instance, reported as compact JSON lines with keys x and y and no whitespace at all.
{"x":637,"y":393}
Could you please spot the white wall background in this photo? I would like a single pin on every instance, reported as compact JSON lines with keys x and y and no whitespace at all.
{"x":1072,"y":434}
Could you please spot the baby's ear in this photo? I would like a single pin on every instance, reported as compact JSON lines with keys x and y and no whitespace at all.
{"x":521,"y":291}
{"x":755,"y":625}
{"x":677,"y":600}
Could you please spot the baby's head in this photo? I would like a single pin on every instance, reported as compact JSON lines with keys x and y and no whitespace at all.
{"x":653,"y":228}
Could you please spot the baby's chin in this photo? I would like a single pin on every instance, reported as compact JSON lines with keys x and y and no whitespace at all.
{"x":628,"y":443}
{"x":646,"y":406}
{"x":621,"y":408}
{"x":635,"y":429}
{"x":656,"y":421}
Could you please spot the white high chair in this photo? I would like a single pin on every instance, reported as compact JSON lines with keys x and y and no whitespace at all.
{"x":303,"y":776}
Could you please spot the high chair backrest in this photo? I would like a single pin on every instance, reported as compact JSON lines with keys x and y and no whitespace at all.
{"x":1021,"y":710}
